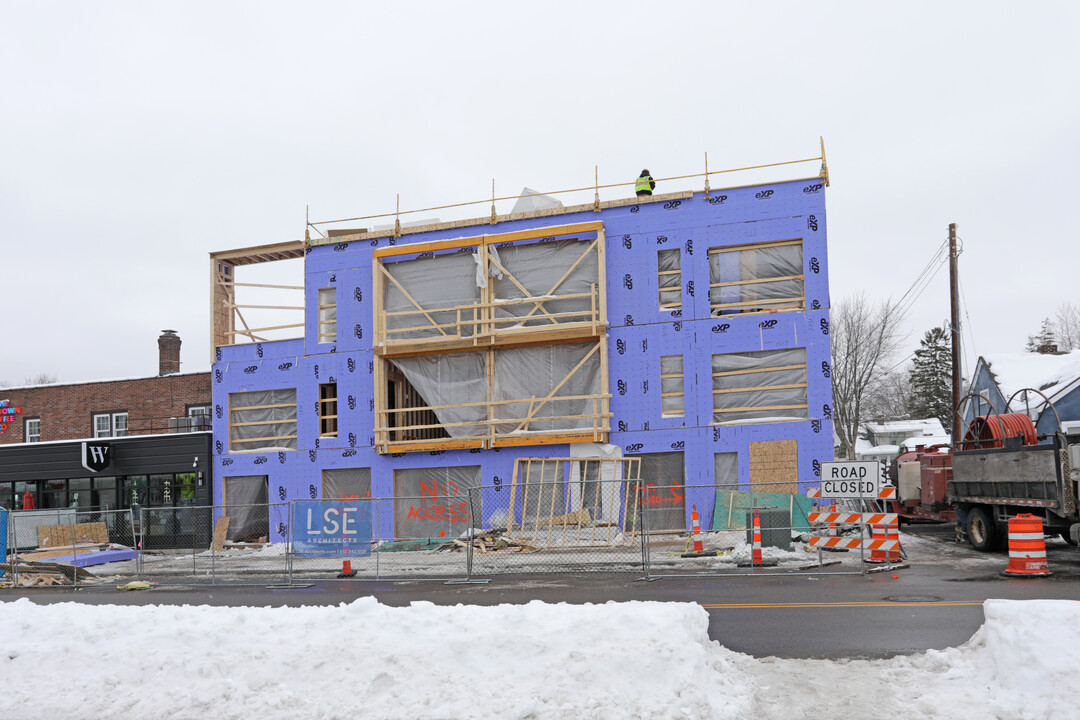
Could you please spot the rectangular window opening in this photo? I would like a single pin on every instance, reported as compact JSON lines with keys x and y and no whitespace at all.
{"x":110,"y":424}
{"x":672,"y":398}
{"x":756,"y":278}
{"x":760,"y":386}
{"x":669,"y":274}
{"x":328,"y":413}
{"x":328,"y":315}
{"x":32,"y":430}
{"x":262,"y":420}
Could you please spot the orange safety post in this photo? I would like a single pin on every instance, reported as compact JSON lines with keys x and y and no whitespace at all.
{"x":755,"y":553}
{"x":698,"y":545}
{"x":1027,"y":547}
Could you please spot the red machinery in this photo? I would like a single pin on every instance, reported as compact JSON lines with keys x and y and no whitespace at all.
{"x":920,"y":476}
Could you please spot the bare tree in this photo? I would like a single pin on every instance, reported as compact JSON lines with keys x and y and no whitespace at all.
{"x":888,"y":398}
{"x":865,"y":338}
{"x":1067,"y":325}
{"x":42,"y":378}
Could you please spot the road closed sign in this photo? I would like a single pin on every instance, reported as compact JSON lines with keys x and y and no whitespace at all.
{"x":850,"y":479}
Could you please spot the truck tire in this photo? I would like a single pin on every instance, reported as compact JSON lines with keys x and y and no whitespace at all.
{"x":982,"y":531}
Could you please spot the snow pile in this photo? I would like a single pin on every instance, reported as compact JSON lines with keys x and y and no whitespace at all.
{"x":626,"y":660}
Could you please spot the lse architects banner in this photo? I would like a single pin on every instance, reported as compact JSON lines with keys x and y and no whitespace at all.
{"x":332,"y":528}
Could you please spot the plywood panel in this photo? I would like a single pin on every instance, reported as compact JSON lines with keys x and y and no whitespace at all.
{"x":54,"y":535}
{"x":774,"y":466}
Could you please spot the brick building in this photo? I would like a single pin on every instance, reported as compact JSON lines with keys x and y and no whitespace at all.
{"x":156,"y":429}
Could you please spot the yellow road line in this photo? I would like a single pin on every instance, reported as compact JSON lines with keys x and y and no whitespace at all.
{"x":868,"y":603}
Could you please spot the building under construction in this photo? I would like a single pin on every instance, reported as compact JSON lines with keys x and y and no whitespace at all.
{"x":687,"y":329}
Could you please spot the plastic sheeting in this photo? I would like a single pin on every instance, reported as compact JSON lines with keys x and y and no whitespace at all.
{"x":527,"y":375}
{"x":671,"y":404}
{"x":755,"y":264}
{"x":534,"y":372}
{"x":327,"y":315}
{"x":663,"y":497}
{"x":246,"y":498}
{"x":531,"y":200}
{"x":434,"y":502}
{"x":275,"y":426}
{"x":442,"y":281}
{"x":539,"y":268}
{"x":669,"y":272}
{"x":346,"y":483}
{"x":762,"y":395}
{"x":451,"y":379}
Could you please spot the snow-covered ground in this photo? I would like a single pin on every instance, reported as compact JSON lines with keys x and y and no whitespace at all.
{"x":615,"y":660}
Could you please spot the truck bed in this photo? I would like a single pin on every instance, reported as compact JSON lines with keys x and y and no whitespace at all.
{"x":1027,"y":475}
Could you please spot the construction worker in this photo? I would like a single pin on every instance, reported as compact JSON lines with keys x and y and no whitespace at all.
{"x":645,"y":184}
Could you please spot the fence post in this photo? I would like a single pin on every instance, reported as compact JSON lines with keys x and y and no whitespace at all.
{"x":646,"y":557}
{"x":288,"y":543}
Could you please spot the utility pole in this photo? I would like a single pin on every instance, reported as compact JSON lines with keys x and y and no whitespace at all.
{"x":955,"y":307}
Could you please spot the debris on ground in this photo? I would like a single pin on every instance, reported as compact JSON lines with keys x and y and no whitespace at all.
{"x":30,"y":574}
{"x":489,"y":541}
{"x":136,"y":585}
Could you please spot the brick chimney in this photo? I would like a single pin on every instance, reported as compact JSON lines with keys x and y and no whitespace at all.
{"x":168,"y":353}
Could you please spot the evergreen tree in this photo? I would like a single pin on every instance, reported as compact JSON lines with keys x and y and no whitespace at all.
{"x":1045,"y":336}
{"x":931,"y":378}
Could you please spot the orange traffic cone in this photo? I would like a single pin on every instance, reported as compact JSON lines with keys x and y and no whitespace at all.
{"x":699,"y":547}
{"x":881,"y":532}
{"x":1027,"y":547}
{"x":346,"y":569}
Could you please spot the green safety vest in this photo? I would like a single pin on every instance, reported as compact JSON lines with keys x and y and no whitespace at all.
{"x":644,"y":183}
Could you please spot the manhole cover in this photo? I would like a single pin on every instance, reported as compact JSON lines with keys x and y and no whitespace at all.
{"x":912,"y":598}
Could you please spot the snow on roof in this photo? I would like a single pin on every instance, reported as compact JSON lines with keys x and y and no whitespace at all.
{"x":97,"y":382}
{"x":926,"y":428}
{"x":913,"y":442}
{"x":1047,"y":373}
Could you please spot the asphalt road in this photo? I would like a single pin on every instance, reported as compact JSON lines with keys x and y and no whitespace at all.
{"x":927,"y":605}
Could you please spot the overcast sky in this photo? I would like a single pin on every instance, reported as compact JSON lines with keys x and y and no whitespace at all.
{"x":137,"y":137}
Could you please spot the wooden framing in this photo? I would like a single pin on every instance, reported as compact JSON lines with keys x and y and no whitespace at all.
{"x":224,"y":310}
{"x":327,"y":328}
{"x":675,"y":289}
{"x":415,"y":433}
{"x":328,"y":410}
{"x":748,"y":307}
{"x":680,"y":394}
{"x":485,"y":325}
{"x":759,"y":388}
{"x":481,"y":324}
{"x":233,"y":442}
{"x":572,"y":522}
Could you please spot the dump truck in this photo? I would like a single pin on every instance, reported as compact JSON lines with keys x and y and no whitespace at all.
{"x":999,"y":470}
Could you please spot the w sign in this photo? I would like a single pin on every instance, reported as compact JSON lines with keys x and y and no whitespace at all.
{"x":96,"y":456}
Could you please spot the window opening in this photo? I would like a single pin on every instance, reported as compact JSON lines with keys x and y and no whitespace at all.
{"x":110,"y":424}
{"x":328,"y":413}
{"x":327,"y":315}
{"x":762,"y":385}
{"x":32,"y":430}
{"x":262,"y":420}
{"x":763,"y":277}
{"x":669,"y":273}
{"x":672,"y":400}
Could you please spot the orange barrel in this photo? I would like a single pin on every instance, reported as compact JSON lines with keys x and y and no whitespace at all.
{"x":1027,"y":547}
{"x":881,"y":532}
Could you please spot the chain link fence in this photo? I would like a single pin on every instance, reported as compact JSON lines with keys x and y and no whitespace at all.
{"x":69,"y":546}
{"x":723,"y":543}
{"x":539,"y":524}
